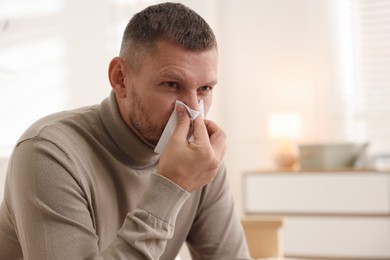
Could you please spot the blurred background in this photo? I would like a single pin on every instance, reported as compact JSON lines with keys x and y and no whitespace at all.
{"x":310,"y":71}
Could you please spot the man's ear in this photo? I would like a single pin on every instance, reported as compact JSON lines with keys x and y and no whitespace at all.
{"x":116,"y":75}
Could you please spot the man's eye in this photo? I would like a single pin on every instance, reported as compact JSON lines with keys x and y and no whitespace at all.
{"x":171,"y":84}
{"x":205,"y":89}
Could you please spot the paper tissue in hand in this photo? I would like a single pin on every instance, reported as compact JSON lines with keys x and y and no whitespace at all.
{"x":170,"y":127}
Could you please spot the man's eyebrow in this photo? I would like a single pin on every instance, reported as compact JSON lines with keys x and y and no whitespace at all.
{"x":171,"y":75}
{"x":179,"y":78}
{"x":212,"y":83}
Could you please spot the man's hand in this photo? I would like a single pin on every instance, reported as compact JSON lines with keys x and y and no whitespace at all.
{"x":192,"y":165}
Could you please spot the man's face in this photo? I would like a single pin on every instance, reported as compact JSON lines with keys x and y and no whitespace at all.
{"x":170,"y":73}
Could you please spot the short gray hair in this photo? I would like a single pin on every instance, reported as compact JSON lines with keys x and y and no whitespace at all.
{"x":173,"y":22}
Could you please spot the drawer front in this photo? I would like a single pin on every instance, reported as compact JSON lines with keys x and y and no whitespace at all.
{"x":336,"y":193}
{"x":352,"y":238}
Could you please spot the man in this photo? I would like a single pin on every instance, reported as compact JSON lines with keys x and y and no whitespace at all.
{"x":87,"y":184}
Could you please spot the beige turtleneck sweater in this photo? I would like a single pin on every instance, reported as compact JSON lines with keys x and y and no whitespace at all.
{"x":81,"y":185}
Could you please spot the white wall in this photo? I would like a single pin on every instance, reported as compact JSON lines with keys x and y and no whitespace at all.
{"x":276,"y":55}
{"x":86,"y":27}
{"x":3,"y":169}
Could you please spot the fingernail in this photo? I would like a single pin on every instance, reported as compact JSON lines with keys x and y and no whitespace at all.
{"x":180,"y":109}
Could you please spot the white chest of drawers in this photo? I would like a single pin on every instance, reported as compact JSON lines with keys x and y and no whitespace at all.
{"x":328,"y":215}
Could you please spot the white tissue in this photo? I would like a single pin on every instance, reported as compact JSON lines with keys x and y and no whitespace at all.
{"x":170,"y":127}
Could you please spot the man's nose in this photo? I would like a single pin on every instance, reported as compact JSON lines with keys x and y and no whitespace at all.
{"x":191,"y":101}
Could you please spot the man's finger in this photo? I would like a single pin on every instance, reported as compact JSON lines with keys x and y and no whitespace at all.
{"x":217,"y":137}
{"x":200,"y":131}
{"x":182,"y":124}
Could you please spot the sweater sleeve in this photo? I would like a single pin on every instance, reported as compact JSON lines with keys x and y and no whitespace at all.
{"x":216,"y":232}
{"x":149,"y":226}
{"x":53,"y":219}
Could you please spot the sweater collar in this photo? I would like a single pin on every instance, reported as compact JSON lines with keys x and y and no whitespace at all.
{"x":133,"y":150}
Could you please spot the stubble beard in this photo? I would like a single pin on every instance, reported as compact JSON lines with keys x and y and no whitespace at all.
{"x":141,"y":123}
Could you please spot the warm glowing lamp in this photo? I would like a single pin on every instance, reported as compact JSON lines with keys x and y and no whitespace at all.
{"x":284,"y":128}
